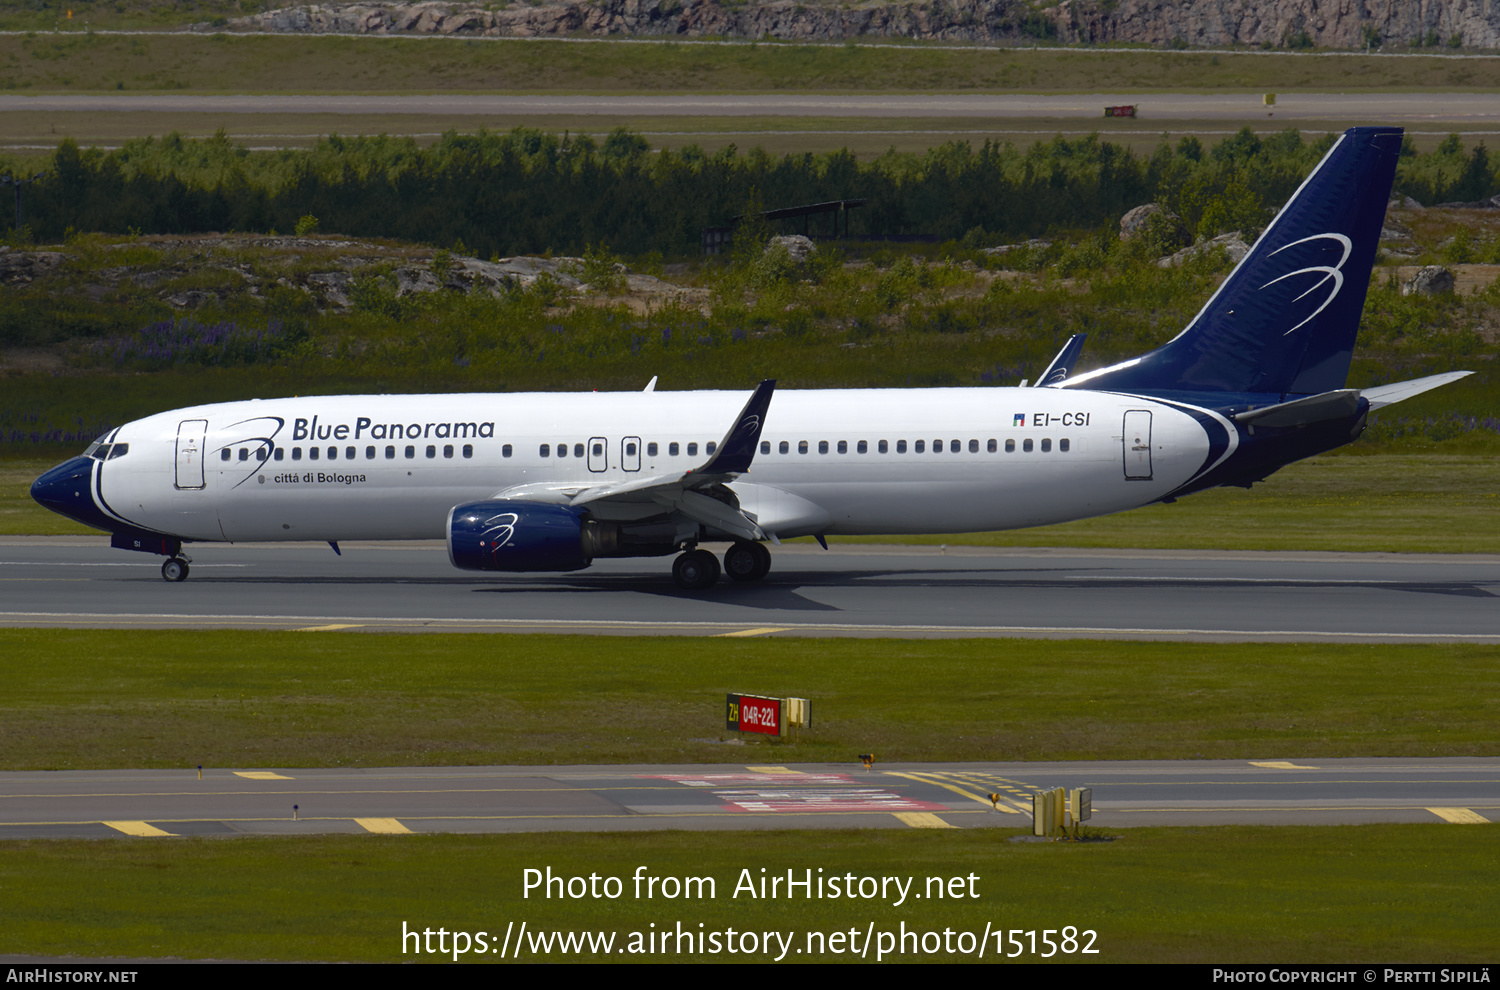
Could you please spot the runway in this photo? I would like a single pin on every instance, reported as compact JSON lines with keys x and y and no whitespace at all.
{"x":1367,"y":108}
{"x":891,"y":591}
{"x":160,"y":804}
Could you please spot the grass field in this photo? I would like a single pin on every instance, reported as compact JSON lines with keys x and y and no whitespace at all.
{"x":1396,"y":893}
{"x":77,"y":61}
{"x":1396,"y":503}
{"x":81,"y":699}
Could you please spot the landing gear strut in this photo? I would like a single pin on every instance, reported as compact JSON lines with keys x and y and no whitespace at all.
{"x":175,"y":569}
{"x":695,"y":570}
{"x":747,"y":561}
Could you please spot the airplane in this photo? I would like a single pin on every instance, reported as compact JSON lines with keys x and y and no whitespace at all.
{"x":539,"y":482}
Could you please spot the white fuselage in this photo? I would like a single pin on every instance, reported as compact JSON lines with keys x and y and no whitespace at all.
{"x":845,"y":461}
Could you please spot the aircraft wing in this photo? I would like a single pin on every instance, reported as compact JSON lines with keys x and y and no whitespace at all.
{"x":1385,"y":395}
{"x":699,"y":493}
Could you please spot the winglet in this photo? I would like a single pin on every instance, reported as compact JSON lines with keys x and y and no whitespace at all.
{"x":1063,"y":363}
{"x":737,"y":449}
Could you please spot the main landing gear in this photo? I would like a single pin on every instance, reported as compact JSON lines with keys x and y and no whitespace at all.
{"x":175,"y":569}
{"x":697,"y":570}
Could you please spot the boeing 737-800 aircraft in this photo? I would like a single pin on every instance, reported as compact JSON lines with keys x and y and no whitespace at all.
{"x":549,"y":481}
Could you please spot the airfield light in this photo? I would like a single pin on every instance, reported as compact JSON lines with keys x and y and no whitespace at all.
{"x":867,"y":759}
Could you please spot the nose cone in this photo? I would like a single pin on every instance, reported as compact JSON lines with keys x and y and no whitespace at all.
{"x":66,"y":490}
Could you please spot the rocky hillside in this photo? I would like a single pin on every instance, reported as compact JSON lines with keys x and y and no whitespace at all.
{"x":1266,"y":23}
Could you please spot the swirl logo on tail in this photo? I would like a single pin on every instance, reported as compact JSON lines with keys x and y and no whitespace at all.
{"x":1333,"y":272}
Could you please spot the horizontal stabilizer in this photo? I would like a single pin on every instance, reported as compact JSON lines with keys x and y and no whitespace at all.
{"x":1385,"y":395}
{"x":1303,"y":412}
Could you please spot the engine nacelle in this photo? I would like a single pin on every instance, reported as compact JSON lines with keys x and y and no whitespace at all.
{"x":519,"y":536}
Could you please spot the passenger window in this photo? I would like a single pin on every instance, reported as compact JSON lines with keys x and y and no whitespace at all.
{"x":333,"y":453}
{"x":562,"y":450}
{"x":900,"y":446}
{"x":296,"y":453}
{"x":711,"y":446}
{"x":920,"y":447}
{"x":349,"y":453}
{"x":447,"y":450}
{"x":864,"y":447}
{"x":545,"y":450}
{"x":884,"y":447}
{"x":630,"y":450}
{"x":1010,"y":446}
{"x":505,"y":451}
{"x":692,"y":450}
{"x":822,"y":446}
{"x":1026,"y":445}
{"x":390,"y":453}
{"x":843,"y":446}
{"x":1047,"y":445}
{"x":260,"y":454}
{"x":224,"y":454}
{"x":1062,"y":445}
{"x":278,"y":453}
{"x":412,"y":452}
{"x":369,"y":453}
{"x":673,"y":448}
{"x":431,"y":451}
{"x":991,"y":447}
{"x":312,"y":453}
{"x":973,"y":446}
{"x":578,"y":450}
{"x":651,"y":449}
{"x":468,"y":450}
{"x":244,"y":453}
{"x":765,"y":446}
{"x":784,"y":447}
{"x":801,"y":446}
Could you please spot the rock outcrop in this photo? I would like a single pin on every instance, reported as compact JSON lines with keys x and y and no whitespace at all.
{"x":1207,"y":23}
{"x":1429,"y":281}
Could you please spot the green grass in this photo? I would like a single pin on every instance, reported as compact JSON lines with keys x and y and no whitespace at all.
{"x":1394,"y":893}
{"x":121,"y":699}
{"x":76,"y":61}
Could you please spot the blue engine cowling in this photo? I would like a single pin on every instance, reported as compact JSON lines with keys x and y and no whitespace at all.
{"x":517,"y":536}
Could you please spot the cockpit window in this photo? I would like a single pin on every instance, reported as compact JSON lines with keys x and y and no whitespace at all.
{"x":98,"y":451}
{"x":119,"y":450}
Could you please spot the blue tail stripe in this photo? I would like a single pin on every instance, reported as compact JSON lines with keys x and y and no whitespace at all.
{"x":1285,"y":319}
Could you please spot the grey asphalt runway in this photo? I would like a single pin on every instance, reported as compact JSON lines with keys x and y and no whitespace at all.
{"x":160,"y":803}
{"x":852,"y":590}
{"x":1366,"y":108}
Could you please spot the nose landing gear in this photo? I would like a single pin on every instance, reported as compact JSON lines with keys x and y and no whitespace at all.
{"x":175,"y":569}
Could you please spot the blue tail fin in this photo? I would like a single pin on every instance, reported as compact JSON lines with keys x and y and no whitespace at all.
{"x":1285,"y":319}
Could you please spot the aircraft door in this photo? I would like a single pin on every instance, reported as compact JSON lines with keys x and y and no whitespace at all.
{"x":598,"y":454}
{"x":190,"y":433}
{"x":630,"y":453}
{"x":1138,"y":445}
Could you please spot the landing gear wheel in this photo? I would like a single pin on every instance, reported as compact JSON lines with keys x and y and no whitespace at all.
{"x":695,"y":570}
{"x":175,"y":569}
{"x":747,"y":561}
